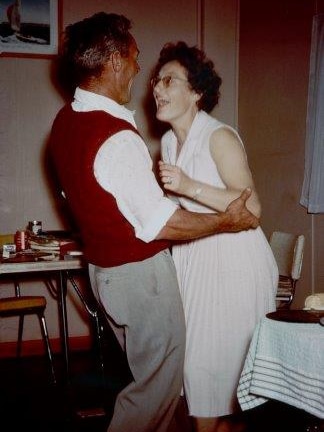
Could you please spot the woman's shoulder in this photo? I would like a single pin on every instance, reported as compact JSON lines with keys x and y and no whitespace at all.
{"x":215,"y":123}
{"x":220,"y":129}
{"x":209,"y":123}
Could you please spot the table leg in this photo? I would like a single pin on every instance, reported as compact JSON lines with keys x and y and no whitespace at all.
{"x":93,"y":311}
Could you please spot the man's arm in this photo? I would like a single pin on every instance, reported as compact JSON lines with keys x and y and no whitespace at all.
{"x":185,"y":225}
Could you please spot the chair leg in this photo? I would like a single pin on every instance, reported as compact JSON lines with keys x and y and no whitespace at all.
{"x":20,"y":332}
{"x":99,"y":343}
{"x":47,"y":345}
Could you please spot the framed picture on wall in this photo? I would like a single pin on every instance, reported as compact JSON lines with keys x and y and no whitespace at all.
{"x":29,"y":28}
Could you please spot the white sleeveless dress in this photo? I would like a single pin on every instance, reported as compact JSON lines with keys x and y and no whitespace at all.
{"x":227,"y":282}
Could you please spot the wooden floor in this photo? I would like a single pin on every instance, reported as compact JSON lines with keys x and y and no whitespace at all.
{"x":30,"y":402}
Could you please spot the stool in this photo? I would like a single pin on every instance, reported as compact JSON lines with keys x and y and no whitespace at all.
{"x":26,"y":305}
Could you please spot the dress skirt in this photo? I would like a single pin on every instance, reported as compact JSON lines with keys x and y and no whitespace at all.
{"x":227,"y":284}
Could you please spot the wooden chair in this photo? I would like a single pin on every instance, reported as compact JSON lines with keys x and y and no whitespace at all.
{"x":288,"y":250}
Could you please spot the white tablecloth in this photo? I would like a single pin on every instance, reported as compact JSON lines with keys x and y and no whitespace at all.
{"x":285,"y":362}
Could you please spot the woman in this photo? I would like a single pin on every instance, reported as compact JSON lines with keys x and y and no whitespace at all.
{"x":227,"y":281}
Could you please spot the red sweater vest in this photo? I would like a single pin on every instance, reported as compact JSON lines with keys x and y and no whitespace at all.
{"x":108,"y":238}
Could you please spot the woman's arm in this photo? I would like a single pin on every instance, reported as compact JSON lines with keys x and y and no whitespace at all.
{"x":230,"y":158}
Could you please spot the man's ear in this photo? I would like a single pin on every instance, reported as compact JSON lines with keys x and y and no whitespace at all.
{"x":116,"y":61}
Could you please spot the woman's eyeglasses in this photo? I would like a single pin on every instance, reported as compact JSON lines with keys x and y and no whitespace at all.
{"x":167,"y":80}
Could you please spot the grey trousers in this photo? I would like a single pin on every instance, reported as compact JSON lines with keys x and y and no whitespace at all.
{"x":144,"y":308}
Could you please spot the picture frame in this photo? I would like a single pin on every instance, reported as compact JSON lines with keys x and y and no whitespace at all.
{"x":29,"y":28}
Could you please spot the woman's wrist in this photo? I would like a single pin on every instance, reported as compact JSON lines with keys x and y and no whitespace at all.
{"x":196,"y":192}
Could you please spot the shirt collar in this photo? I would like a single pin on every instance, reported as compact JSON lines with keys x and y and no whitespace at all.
{"x":88,"y":101}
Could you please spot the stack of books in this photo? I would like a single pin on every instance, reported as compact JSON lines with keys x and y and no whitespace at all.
{"x":52,"y":245}
{"x":44,"y":244}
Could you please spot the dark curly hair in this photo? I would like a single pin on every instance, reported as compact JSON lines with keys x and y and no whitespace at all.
{"x":202,"y":76}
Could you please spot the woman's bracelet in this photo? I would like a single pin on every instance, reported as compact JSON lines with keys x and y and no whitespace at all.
{"x":197,"y":192}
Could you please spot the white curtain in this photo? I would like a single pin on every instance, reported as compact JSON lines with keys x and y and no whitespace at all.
{"x":312,"y":196}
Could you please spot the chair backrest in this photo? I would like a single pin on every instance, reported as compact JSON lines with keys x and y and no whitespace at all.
{"x":288,"y":250}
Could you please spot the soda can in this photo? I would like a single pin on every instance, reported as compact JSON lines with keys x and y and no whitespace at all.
{"x":21,"y":240}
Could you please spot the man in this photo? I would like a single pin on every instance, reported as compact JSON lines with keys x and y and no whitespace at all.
{"x":125,"y":222}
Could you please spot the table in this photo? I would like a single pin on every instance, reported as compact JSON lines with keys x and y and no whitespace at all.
{"x":285,"y":362}
{"x":63,"y":268}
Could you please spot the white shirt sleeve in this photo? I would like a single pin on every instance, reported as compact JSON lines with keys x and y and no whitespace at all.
{"x":123,"y":167}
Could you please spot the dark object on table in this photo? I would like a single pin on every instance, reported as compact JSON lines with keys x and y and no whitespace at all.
{"x":311,"y":316}
{"x":28,"y":256}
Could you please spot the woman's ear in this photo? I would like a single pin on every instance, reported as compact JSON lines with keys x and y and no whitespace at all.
{"x":196,"y":98}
